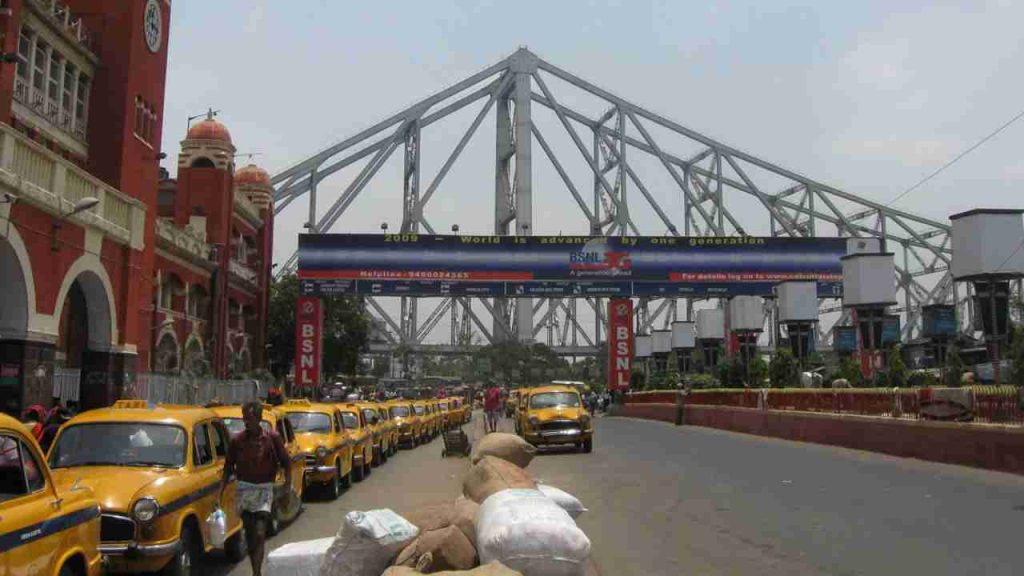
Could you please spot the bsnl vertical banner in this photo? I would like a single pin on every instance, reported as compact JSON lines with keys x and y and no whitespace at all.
{"x":309,"y":325}
{"x":620,"y":343}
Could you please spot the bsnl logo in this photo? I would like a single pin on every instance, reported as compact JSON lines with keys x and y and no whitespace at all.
{"x":596,"y":259}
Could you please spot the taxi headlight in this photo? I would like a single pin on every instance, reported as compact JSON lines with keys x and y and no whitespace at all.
{"x":534,"y":421}
{"x":321,"y":452}
{"x":146,"y":509}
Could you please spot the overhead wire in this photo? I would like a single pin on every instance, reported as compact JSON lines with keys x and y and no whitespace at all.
{"x":957,"y":158}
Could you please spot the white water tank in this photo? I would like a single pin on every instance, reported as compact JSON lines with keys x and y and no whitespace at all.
{"x":869,"y":280}
{"x":988,"y":242}
{"x":644,"y":346}
{"x":684,"y":335}
{"x":746,"y":314}
{"x":662,"y":341}
{"x":798,"y":301}
{"x":711,"y":324}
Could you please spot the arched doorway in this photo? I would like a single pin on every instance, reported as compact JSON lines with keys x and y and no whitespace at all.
{"x":167,"y":355}
{"x":85,"y":338}
{"x":14,"y":316}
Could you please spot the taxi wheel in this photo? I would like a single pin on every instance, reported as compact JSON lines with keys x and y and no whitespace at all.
{"x":358,"y":472}
{"x":67,"y":570}
{"x":334,"y":486}
{"x":185,"y":561}
{"x":235,"y":547}
{"x":346,"y":480}
{"x":384,"y":455}
{"x":588,"y":445}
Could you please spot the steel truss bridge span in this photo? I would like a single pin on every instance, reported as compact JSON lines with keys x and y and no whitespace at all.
{"x":724,"y":191}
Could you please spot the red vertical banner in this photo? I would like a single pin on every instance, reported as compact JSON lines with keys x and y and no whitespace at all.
{"x":309,"y":324}
{"x":620,"y":343}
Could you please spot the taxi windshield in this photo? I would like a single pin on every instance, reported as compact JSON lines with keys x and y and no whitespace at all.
{"x":310,"y":422}
{"x":369,"y":415}
{"x":120,"y":444}
{"x":237,"y":425}
{"x":444,"y":405}
{"x":553,"y":399}
{"x":399,"y":411}
{"x":420,"y":410}
{"x":351,"y":420}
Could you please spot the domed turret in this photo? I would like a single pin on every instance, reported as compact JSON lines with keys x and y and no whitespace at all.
{"x":207,"y":145}
{"x":254,"y":183}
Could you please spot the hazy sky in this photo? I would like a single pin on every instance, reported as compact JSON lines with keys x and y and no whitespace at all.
{"x":866,"y":96}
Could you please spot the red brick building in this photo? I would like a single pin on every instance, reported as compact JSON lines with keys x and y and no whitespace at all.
{"x":152,"y":274}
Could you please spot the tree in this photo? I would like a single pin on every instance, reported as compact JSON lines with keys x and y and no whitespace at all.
{"x":758,"y":371}
{"x":1017,"y":356}
{"x":897,"y":367}
{"x":954,"y":369}
{"x":849,"y":370}
{"x":730,"y":372}
{"x":346,"y":328}
{"x":783,"y":372}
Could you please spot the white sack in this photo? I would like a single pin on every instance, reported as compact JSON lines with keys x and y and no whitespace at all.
{"x":527,"y":531}
{"x":565,"y":501}
{"x":367,"y":543}
{"x":298,"y":558}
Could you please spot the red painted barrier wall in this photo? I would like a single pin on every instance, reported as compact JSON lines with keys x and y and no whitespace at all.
{"x":978,"y":445}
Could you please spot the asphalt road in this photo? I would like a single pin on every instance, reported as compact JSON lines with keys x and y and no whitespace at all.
{"x":679,"y":501}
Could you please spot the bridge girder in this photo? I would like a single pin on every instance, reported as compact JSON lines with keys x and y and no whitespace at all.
{"x":712,"y":179}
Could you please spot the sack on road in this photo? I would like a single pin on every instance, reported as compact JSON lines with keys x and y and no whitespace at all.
{"x":432,"y":517}
{"x":528,"y":532}
{"x":565,"y":501}
{"x":491,"y":475}
{"x":298,"y":558}
{"x":508,"y":447}
{"x":492,"y":569}
{"x":444,"y":549}
{"x":464,"y":517}
{"x":367,"y":543}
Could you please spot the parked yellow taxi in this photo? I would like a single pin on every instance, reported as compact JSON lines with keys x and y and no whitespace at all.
{"x":287,"y":504}
{"x":458,"y":412}
{"x":419,"y":408}
{"x":511,"y":403}
{"x":409,"y":425}
{"x":325,"y":445}
{"x":45,"y":529}
{"x":390,"y":429}
{"x":362,"y":439}
{"x":156,"y":472}
{"x":555,"y":416}
{"x":435,"y":416}
{"x":371,"y":419}
{"x":445,"y":413}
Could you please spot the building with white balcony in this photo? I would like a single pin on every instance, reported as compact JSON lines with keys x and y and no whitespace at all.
{"x":109,"y":269}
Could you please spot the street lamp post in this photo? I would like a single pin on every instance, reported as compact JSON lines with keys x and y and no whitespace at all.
{"x":80,"y":206}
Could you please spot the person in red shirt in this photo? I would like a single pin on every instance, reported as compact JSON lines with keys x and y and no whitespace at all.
{"x":254,"y":457}
{"x":492,"y":406}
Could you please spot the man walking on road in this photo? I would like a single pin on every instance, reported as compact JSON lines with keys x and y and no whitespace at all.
{"x":492,"y":406}
{"x":254,"y":456}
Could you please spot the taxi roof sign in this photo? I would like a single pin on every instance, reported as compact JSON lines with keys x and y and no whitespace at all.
{"x":131,"y":404}
{"x":299,"y":402}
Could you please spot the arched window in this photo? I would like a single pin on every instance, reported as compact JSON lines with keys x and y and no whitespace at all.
{"x":203,"y":162}
{"x":171,"y":292}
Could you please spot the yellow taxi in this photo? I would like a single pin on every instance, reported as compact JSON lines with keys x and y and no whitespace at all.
{"x":519,"y":415}
{"x":156,"y":472}
{"x":555,"y":415}
{"x":371,"y":419}
{"x":45,"y":529}
{"x":420,"y":409}
{"x":436,"y":416}
{"x":325,"y":446}
{"x":445,"y":413}
{"x":390,"y":429}
{"x":362,"y":439}
{"x":460,"y":410}
{"x":286,"y":503}
{"x":408,"y":424}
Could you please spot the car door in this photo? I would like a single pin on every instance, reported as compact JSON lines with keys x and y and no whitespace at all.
{"x":207,"y":473}
{"x":221,"y":440}
{"x":29,"y":542}
{"x":298,"y":467}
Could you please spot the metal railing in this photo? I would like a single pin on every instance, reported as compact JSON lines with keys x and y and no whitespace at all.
{"x":67,"y":384}
{"x":185,"y":390}
{"x":983,"y":404}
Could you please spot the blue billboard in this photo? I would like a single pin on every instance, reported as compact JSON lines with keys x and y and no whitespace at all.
{"x":564,"y":266}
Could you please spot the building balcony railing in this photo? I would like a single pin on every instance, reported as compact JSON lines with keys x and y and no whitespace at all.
{"x":242,"y":272}
{"x":35,"y":100}
{"x":60,"y":15}
{"x":39,"y":177}
{"x":246,"y":207}
{"x":182,"y":240}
